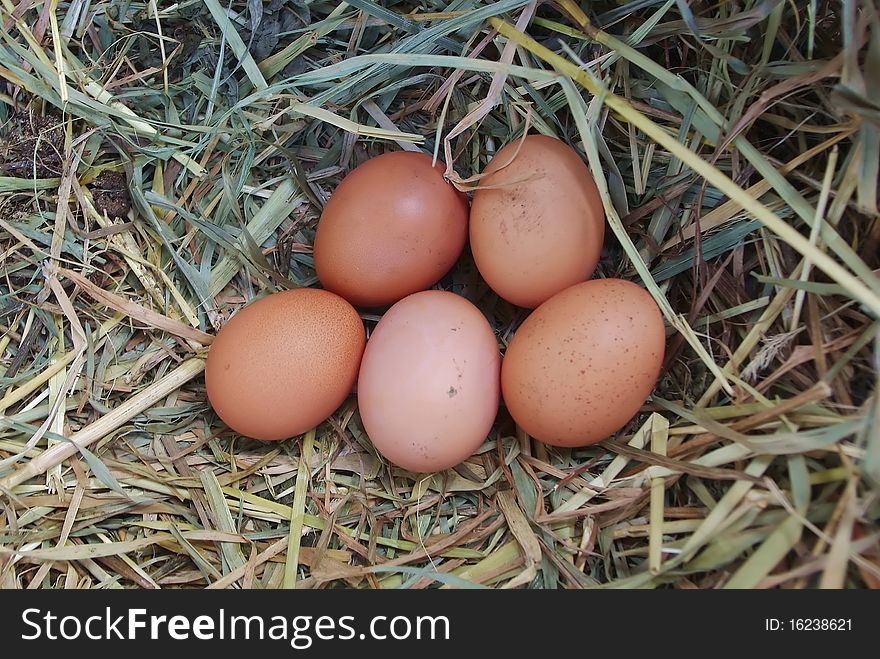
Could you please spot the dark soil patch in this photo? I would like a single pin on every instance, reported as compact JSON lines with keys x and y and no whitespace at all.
{"x":31,"y":145}
{"x":110,"y":192}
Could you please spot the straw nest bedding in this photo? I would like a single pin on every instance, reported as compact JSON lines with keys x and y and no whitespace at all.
{"x":161,"y":165}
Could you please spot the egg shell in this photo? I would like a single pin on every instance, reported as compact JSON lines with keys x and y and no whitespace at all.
{"x":429,"y":384}
{"x":392,"y":227}
{"x":284,"y":363}
{"x":537,"y":223}
{"x":583,"y":363}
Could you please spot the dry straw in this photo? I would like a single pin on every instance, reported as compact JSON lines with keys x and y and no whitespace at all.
{"x":161,"y":165}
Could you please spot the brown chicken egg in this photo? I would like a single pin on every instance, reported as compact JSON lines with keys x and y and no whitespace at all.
{"x":284,"y":363}
{"x":537,"y":221}
{"x":428,"y":389}
{"x":392,"y":227}
{"x":583,"y":363}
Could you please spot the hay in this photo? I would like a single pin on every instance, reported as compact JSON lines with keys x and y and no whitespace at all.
{"x":161,"y":166}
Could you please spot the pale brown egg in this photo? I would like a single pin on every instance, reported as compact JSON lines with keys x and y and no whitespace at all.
{"x":584,"y":362}
{"x":537,"y":221}
{"x":428,"y":389}
{"x":392,"y":227}
{"x":284,"y":363}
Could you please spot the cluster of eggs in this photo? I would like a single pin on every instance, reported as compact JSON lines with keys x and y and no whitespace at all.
{"x":431,"y":377}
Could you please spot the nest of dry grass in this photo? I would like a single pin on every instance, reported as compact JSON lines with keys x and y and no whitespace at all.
{"x":161,"y":166}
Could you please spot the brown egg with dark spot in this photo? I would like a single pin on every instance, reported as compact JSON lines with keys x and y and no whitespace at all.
{"x":582,"y":364}
{"x":537,"y":222}
{"x":392,"y":227}
{"x":284,"y":363}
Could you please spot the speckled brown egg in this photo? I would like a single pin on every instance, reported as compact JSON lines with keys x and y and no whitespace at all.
{"x":537,"y":221}
{"x":429,"y":388}
{"x":284,"y":363}
{"x":392,"y":227}
{"x":583,"y":363}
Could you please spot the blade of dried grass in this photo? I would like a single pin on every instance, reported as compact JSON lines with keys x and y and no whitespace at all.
{"x":232,"y":554}
{"x":57,"y":49}
{"x":778,"y":543}
{"x":450,"y":580}
{"x":297,"y":511}
{"x":15,"y":184}
{"x":284,"y":512}
{"x":638,"y":440}
{"x":23,"y":391}
{"x":101,"y":549}
{"x":267,"y":554}
{"x":352,"y":126}
{"x":807,"y":265}
{"x":398,"y":21}
{"x":203,"y":564}
{"x":730,"y":209}
{"x":126,"y":245}
{"x":659,"y":440}
{"x":721,"y":514}
{"x":525,"y":536}
{"x":265,"y":221}
{"x":276,"y":62}
{"x":106,"y":424}
{"x":834,"y":574}
{"x":137,"y":312}
{"x":499,"y":562}
{"x":232,"y":37}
